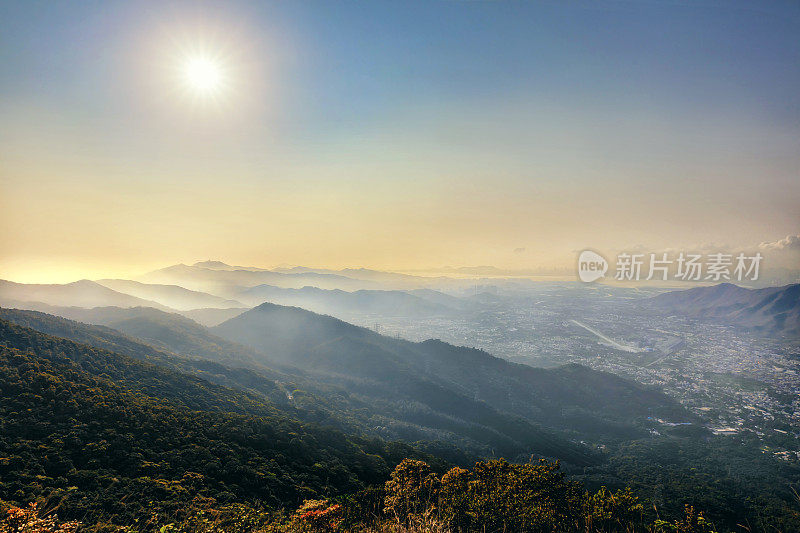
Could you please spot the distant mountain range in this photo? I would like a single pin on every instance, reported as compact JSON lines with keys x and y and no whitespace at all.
{"x":773,"y":310}
{"x":210,"y":309}
{"x":362,"y":302}
{"x":172,"y":296}
{"x":210,"y":316}
{"x":216,"y":277}
{"x":82,"y":293}
{"x":227,"y":283}
{"x":74,"y":299}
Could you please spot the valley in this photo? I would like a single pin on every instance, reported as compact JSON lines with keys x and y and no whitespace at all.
{"x":597,"y":377}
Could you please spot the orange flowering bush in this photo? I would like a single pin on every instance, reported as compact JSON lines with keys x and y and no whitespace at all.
{"x":318,"y":516}
{"x":27,"y":520}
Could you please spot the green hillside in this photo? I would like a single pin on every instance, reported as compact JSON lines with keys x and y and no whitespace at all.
{"x":106,"y":435}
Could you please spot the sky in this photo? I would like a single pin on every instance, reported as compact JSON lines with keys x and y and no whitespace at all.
{"x":392,"y":135}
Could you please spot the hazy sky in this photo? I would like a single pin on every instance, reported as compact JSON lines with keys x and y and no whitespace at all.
{"x":392,"y":135}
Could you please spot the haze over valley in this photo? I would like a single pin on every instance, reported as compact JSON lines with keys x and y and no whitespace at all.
{"x":655,"y":336}
{"x":462,"y":368}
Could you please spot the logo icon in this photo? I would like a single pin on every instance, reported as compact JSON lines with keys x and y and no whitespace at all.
{"x":591,"y":266}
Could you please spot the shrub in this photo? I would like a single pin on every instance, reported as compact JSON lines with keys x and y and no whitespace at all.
{"x":29,"y":520}
{"x":318,"y":516}
{"x":692,"y":522}
{"x":411,"y":492}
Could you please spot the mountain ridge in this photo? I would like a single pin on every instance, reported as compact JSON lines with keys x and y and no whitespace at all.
{"x":172,"y":296}
{"x":83,"y":293}
{"x":770,"y":310}
{"x":336,"y":302}
{"x":324,"y":344}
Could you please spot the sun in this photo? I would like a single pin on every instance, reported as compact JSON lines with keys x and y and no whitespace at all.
{"x":205,"y":72}
{"x":203,"y":75}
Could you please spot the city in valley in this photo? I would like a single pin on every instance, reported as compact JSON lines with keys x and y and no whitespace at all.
{"x":733,"y":379}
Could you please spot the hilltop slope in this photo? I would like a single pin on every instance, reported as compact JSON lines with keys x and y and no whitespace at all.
{"x":265,"y":381}
{"x":121,"y":430}
{"x":166,"y":331}
{"x":772,"y":310}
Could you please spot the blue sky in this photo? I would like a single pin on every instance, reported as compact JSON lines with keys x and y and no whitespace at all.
{"x":368,"y":55}
{"x":467,"y":129}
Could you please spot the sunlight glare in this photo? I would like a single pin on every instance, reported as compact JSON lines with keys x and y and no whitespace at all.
{"x":203,"y":75}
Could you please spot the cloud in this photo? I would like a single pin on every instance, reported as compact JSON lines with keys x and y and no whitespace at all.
{"x":788,"y":243}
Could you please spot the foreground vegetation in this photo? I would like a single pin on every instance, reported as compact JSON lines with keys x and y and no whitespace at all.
{"x":494,"y":496}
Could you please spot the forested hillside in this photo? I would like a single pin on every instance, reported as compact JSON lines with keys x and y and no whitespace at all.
{"x":114,"y":442}
{"x":106,"y":435}
{"x":321,"y":402}
{"x":56,"y":446}
{"x":397,"y":389}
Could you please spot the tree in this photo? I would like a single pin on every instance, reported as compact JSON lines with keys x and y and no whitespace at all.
{"x":411,"y":491}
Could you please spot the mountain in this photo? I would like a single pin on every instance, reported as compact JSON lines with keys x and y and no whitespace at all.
{"x":440,"y":298}
{"x":166,"y":331}
{"x":228,"y":283}
{"x":295,"y":393}
{"x":410,"y":391}
{"x":478,"y":423}
{"x":386,"y":397}
{"x":772,"y":310}
{"x":394,"y":280}
{"x":212,"y":316}
{"x":101,"y":337}
{"x":219,"y":265}
{"x":465,"y":278}
{"x":267,"y":382}
{"x":213,"y":265}
{"x":82,"y":293}
{"x":343,"y":404}
{"x":344,"y":304}
{"x":171,"y":296}
{"x":88,"y":429}
{"x":114,"y":439}
{"x":457,"y":382}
